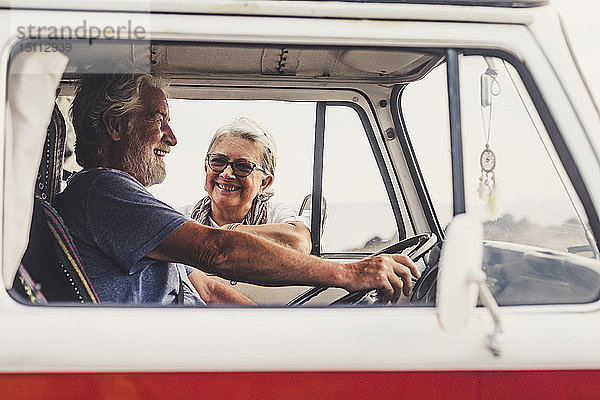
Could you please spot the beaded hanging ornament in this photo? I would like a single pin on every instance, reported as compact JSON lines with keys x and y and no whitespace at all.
{"x":487,"y":160}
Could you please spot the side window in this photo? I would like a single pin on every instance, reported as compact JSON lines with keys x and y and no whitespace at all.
{"x":360,"y":218}
{"x":513,"y":178}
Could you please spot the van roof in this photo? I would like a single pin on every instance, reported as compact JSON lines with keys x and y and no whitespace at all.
{"x":481,"y":11}
{"x":242,"y":6}
{"x":480,"y":3}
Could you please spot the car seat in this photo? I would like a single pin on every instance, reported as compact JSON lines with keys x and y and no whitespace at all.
{"x":51,"y":270}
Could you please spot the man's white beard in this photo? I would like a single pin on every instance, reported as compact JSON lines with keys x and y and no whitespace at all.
{"x":142,"y":164}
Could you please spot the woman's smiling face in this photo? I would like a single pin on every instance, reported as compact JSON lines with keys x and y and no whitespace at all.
{"x":232,"y":195}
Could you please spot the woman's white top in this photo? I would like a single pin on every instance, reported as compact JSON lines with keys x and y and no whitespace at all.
{"x":277,"y":213}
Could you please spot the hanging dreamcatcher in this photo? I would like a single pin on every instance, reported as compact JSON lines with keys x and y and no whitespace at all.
{"x":487,"y":160}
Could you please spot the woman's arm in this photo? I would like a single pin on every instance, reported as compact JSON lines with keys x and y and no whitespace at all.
{"x":294,"y":235}
{"x":213,"y":292}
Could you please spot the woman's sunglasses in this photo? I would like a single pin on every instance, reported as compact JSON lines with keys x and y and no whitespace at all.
{"x":241,"y":168}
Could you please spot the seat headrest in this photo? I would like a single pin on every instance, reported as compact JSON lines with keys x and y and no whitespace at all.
{"x":49,"y":177}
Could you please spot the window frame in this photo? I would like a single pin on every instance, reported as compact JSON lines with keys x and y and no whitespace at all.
{"x":386,"y":176}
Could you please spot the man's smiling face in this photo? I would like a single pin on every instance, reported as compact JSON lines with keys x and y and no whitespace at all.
{"x":148,"y":138}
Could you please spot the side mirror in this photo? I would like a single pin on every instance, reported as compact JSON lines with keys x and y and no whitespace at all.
{"x":306,"y":211}
{"x":460,"y":262}
{"x":461,"y":280}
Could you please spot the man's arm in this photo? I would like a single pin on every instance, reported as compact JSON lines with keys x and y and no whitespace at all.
{"x":247,"y":258}
{"x":294,"y":235}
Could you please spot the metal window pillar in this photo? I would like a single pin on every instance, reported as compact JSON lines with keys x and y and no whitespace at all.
{"x":458,"y":179}
{"x":317,"y":190}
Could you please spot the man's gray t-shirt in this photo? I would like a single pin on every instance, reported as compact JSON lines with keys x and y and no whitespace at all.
{"x":115,"y":222}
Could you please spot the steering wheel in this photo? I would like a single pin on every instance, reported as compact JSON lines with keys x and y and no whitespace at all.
{"x":420,"y":244}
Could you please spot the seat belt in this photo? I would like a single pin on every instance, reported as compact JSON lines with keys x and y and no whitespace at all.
{"x":180,"y":296}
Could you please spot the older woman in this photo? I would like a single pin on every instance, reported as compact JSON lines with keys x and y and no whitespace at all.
{"x":240,"y":167}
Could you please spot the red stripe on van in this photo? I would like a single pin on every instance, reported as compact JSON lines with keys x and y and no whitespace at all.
{"x":463,"y":385}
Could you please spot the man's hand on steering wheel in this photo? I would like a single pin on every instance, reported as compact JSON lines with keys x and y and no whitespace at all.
{"x":389,"y":274}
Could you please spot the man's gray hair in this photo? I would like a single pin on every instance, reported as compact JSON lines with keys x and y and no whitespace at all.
{"x":116,"y":92}
{"x":246,"y":128}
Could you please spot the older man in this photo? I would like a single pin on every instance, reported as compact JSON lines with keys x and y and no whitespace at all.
{"x":134,"y":246}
